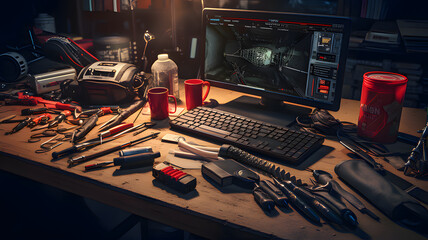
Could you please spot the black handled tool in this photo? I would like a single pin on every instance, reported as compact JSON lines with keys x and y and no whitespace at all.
{"x":128,"y":162}
{"x":313,"y":202}
{"x":20,"y":125}
{"x":82,"y":131}
{"x":297,"y":202}
{"x":84,"y":158}
{"x":59,"y":119}
{"x":345,"y":213}
{"x":33,"y":111}
{"x":325,"y":178}
{"x":123,"y":115}
{"x":277,"y":195}
{"x":262,"y":198}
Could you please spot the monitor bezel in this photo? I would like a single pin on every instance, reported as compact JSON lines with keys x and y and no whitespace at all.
{"x":313,"y":18}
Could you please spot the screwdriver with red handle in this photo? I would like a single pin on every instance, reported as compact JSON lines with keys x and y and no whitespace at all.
{"x":114,"y":130}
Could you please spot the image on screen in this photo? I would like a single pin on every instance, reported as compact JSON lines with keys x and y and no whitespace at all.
{"x":290,"y":58}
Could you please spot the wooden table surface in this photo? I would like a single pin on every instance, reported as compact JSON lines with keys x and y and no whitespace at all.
{"x":228,"y":213}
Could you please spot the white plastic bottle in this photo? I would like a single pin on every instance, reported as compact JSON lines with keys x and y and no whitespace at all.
{"x":165,"y":74}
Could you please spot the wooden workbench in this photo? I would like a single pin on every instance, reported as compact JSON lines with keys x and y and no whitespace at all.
{"x":228,"y":213}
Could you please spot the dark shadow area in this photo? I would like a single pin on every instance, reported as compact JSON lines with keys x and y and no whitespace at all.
{"x":31,"y":210}
{"x":124,"y":171}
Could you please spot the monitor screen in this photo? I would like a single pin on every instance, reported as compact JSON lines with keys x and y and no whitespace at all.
{"x":297,"y":58}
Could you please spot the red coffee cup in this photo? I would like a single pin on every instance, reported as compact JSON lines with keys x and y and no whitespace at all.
{"x":158,"y":101}
{"x":193,"y":89}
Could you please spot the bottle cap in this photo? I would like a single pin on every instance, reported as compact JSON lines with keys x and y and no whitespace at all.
{"x":163,"y":57}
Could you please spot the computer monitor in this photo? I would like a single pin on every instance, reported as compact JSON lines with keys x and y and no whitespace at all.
{"x":298,"y":58}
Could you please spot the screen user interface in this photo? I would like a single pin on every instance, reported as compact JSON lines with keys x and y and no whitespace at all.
{"x":289,"y":58}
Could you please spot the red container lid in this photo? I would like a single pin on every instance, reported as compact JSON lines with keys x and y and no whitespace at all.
{"x":388,"y":78}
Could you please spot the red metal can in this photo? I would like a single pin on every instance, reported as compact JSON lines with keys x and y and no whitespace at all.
{"x":381,"y":102}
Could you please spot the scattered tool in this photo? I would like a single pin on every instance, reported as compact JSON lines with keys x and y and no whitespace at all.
{"x":33,"y":111}
{"x":128,"y":162}
{"x":345,"y":213}
{"x":313,"y":202}
{"x":297,"y":202}
{"x":136,"y":150}
{"x":277,"y":195}
{"x":57,"y":120}
{"x":37,"y":136}
{"x":114,"y":130}
{"x":351,"y":146}
{"x":123,"y":115}
{"x":41,"y":119}
{"x":10,"y":119}
{"x":145,"y":127}
{"x":90,"y":112}
{"x":49,"y":145}
{"x":20,"y":125}
{"x":32,"y":101}
{"x":417,"y":162}
{"x":83,"y":130}
{"x":91,"y":143}
{"x":84,"y":158}
{"x":174,"y":178}
{"x":262,"y":198}
{"x":326,"y":180}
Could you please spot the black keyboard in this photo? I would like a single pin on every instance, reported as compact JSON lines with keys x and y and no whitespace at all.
{"x":286,"y":144}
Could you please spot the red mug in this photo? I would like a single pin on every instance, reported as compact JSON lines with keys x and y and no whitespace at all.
{"x":193,"y":89}
{"x":158,"y":101}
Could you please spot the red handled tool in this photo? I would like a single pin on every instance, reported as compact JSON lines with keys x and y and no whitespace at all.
{"x":174,"y":178}
{"x":32,"y":101}
{"x":114,"y":130}
{"x":41,"y":119}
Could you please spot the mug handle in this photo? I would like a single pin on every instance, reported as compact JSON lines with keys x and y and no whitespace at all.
{"x":175,"y":104}
{"x":207,"y":84}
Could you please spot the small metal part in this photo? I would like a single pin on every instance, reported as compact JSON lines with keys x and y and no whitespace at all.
{"x":133,"y":151}
{"x":48,"y":141}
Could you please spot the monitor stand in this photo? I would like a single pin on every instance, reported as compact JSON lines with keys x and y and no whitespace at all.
{"x":268,"y":110}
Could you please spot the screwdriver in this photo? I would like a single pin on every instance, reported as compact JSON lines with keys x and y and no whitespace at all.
{"x":134,"y":161}
{"x":262,"y":198}
{"x":84,"y":158}
{"x":297,"y":202}
{"x":114,"y":130}
{"x":311,"y":200}
{"x":20,"y":126}
{"x":277,"y":196}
